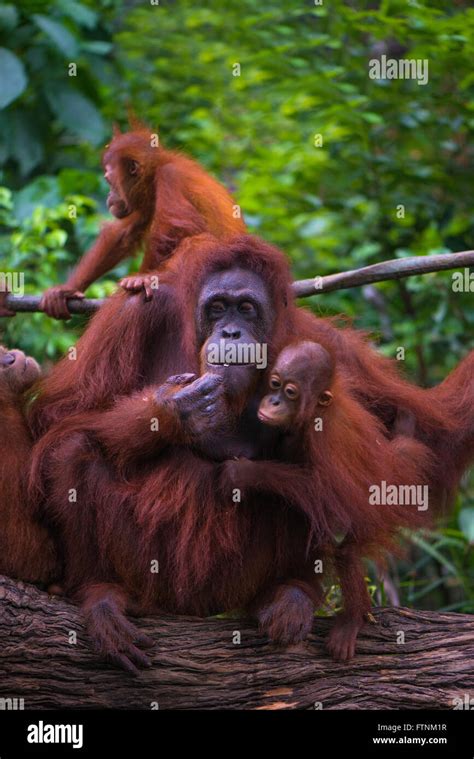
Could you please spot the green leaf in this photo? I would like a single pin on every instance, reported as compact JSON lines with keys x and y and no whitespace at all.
{"x":12,"y":77}
{"x":372,"y":118}
{"x":56,"y":239}
{"x":433,"y":552}
{"x":42,"y":191}
{"x":8,"y":17}
{"x":466,"y":523}
{"x":25,"y":146}
{"x":97,"y":47}
{"x":77,"y":12}
{"x":62,"y":37}
{"x":77,"y":113}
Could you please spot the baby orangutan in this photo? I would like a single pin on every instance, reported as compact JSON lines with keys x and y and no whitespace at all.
{"x":343,"y":455}
{"x":299,"y":381}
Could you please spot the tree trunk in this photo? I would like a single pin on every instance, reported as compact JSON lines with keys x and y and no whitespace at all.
{"x":202,"y":664}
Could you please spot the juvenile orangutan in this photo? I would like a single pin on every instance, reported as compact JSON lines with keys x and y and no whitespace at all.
{"x":158,"y":198}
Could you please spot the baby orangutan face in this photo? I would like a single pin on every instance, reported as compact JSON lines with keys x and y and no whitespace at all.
{"x":299,"y":382}
{"x":17,"y":371}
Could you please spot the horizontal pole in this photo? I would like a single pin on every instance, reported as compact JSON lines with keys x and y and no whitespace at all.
{"x":31,"y":303}
{"x":396,"y":268}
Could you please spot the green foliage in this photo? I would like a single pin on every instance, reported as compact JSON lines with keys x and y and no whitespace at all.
{"x":54,"y":74}
{"x":386,"y":143}
{"x":46,"y":235}
{"x":338,"y":169}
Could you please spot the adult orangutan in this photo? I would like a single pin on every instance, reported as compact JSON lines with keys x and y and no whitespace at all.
{"x":158,"y":197}
{"x":166,"y":509}
{"x":26,"y":549}
{"x":146,"y":499}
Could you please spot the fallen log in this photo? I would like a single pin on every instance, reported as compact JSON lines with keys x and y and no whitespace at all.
{"x":46,"y":659}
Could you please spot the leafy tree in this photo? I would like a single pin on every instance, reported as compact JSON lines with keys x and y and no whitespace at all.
{"x":55,"y":66}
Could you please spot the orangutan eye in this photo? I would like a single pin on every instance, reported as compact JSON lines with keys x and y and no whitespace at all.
{"x":217,"y":307}
{"x":133,"y":168}
{"x":325,"y":399}
{"x":291,"y":392}
{"x":275,"y":383}
{"x":246,"y":307}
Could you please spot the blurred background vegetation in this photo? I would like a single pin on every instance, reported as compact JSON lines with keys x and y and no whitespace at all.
{"x":331,"y":207}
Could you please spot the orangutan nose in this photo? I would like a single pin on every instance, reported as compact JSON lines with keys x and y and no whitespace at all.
{"x":7,"y":359}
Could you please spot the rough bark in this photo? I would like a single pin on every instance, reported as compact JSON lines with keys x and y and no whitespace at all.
{"x":197,"y":664}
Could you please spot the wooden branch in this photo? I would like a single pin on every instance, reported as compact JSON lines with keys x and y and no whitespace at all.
{"x":197,"y":665}
{"x":30,"y":304}
{"x":396,"y":268}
